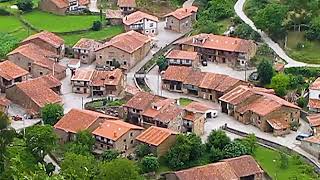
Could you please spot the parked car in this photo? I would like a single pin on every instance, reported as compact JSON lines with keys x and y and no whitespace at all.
{"x":302,"y":136}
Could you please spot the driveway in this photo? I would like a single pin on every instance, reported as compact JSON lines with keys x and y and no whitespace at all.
{"x":273,"y":45}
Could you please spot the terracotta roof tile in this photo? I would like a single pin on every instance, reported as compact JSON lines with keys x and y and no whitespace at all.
{"x":161,"y":104}
{"x":177,"y":73}
{"x":83,"y":75}
{"x":199,"y":107}
{"x":212,"y":81}
{"x":226,"y":84}
{"x":138,"y":16}
{"x":114,"y":129}
{"x":126,"y":3}
{"x":278,"y":123}
{"x":128,"y":42}
{"x":314,"y":120}
{"x":218,"y":42}
{"x":84,"y":2}
{"x":177,"y":54}
{"x":169,"y":113}
{"x":4,"y":101}
{"x":140,"y":101}
{"x":182,"y":13}
{"x":78,"y":120}
{"x":313,"y":139}
{"x":87,"y":44}
{"x":194,"y":78}
{"x":61,"y":3}
{"x":114,"y":14}
{"x":244,"y":165}
{"x":10,"y":71}
{"x":40,"y":96}
{"x":155,"y":135}
{"x":131,"y":89}
{"x":315,"y":85}
{"x":314,"y":103}
{"x":48,"y":37}
{"x":111,"y":78}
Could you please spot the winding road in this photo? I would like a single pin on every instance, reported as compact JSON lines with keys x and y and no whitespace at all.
{"x":273,"y":45}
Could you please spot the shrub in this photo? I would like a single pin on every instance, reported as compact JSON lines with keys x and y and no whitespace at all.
{"x":149,"y":164}
{"x":97,"y":25}
{"x":234,"y":149}
{"x":25,"y":5}
{"x":142,"y":150}
{"x":110,"y":155}
{"x":302,"y":102}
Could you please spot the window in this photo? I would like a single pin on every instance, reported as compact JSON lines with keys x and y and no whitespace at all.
{"x":83,"y":57}
{"x":100,"y":57}
{"x":147,"y":31}
{"x":131,"y":142}
{"x":151,"y":25}
{"x":78,"y":89}
{"x":41,"y":73}
{"x":152,"y":31}
{"x":101,"y":145}
{"x":124,"y":140}
{"x":124,"y":62}
{"x":131,"y":134}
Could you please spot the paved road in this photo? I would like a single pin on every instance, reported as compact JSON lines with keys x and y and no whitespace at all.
{"x":93,"y":6}
{"x":188,"y":3}
{"x":273,"y":45}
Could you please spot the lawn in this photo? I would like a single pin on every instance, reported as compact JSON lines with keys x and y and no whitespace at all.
{"x":308,"y":54}
{"x":184,"y":101}
{"x":105,"y":33}
{"x":56,"y":23}
{"x":268,"y":160}
{"x":9,"y":24}
{"x":159,"y":9}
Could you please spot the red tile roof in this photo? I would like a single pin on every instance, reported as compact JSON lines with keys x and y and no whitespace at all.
{"x":131,"y":89}
{"x":182,"y":13}
{"x":217,"y":42}
{"x":83,"y":75}
{"x":39,"y":56}
{"x":315,"y":85}
{"x":314,"y":120}
{"x":177,"y":73}
{"x":194,"y":78}
{"x":60,"y":3}
{"x":114,"y":14}
{"x":10,"y":71}
{"x":278,"y":123}
{"x":87,"y":44}
{"x":168,"y":114}
{"x":111,"y":78}
{"x":84,"y":2}
{"x":313,"y":139}
{"x":4,"y":101}
{"x":155,"y":135}
{"x":41,"y":96}
{"x":161,"y":105}
{"x":78,"y":120}
{"x":314,"y":103}
{"x":138,"y":16}
{"x":142,"y":100}
{"x":114,"y":129}
{"x":48,"y":37}
{"x":177,"y":54}
{"x":128,"y":42}
{"x":199,"y":107}
{"x":126,"y":3}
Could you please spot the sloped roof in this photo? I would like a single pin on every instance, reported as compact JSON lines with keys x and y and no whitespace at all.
{"x":142,"y":100}
{"x":314,"y":120}
{"x":48,"y":37}
{"x":88,"y":44}
{"x":184,"y":12}
{"x":126,"y":3}
{"x":315,"y":85}
{"x":4,"y":101}
{"x":155,"y":135}
{"x":10,"y":71}
{"x":138,"y":16}
{"x":178,"y":54}
{"x":83,"y":75}
{"x":111,"y":78}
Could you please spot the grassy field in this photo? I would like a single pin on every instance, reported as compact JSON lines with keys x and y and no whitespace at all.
{"x":309,"y":53}
{"x":184,"y":101}
{"x":56,"y":23}
{"x":97,"y":35}
{"x":12,"y":25}
{"x":159,"y":9}
{"x":268,"y":160}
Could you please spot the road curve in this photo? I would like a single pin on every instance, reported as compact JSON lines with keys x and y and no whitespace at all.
{"x":273,"y":45}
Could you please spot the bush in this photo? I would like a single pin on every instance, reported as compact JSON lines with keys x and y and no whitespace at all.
{"x":149,"y":164}
{"x":97,"y":25}
{"x":110,"y":155}
{"x":235,"y":149}
{"x":302,"y":102}
{"x":25,"y":5}
{"x":51,"y":113}
{"x":284,"y":160}
{"x":215,"y":154}
{"x":162,"y":63}
{"x":4,"y":12}
{"x":142,"y":150}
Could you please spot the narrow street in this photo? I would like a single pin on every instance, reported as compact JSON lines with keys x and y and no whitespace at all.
{"x":273,"y":45}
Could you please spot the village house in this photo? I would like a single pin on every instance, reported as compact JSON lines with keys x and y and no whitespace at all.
{"x":114,"y":17}
{"x":61,"y":7}
{"x":147,"y":110}
{"x":77,"y":120}
{"x":84,"y":50}
{"x":124,"y":50}
{"x":11,"y":74}
{"x":47,"y":41}
{"x":158,"y":139}
{"x":314,"y":96}
{"x":34,"y":94}
{"x":34,"y":59}
{"x":183,"y":58}
{"x":238,"y":168}
{"x":314,"y":122}
{"x":256,"y":106}
{"x":312,"y":145}
{"x":192,"y":81}
{"x":127,"y":6}
{"x":141,"y":22}
{"x":98,"y":83}
{"x":117,"y":135}
{"x":4,"y":104}
{"x":181,"y":20}
{"x":220,"y":49}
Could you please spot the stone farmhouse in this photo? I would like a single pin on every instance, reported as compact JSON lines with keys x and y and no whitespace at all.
{"x":126,"y":50}
{"x":221,"y":49}
{"x":158,"y":139}
{"x":11,"y":74}
{"x":49,"y":42}
{"x":61,"y":7}
{"x":84,"y":50}
{"x":98,"y":83}
{"x":181,"y":20}
{"x":183,"y":58}
{"x":259,"y":107}
{"x":127,"y":6}
{"x":192,"y":81}
{"x":34,"y":94}
{"x":314,"y":96}
{"x":239,"y":168}
{"x":141,"y":22}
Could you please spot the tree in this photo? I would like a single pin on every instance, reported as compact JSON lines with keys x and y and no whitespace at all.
{"x":314,"y":31}
{"x":250,"y":142}
{"x":280,"y":84}
{"x":265,"y":72}
{"x":96,"y":25}
{"x":302,"y":102}
{"x":215,"y":154}
{"x":271,"y":19}
{"x":40,"y":140}
{"x":7,"y":44}
{"x":162,"y":63}
{"x":244,"y":31}
{"x":142,"y":150}
{"x":83,"y":143}
{"x":51,"y":113}
{"x":121,"y":169}
{"x":110,"y":155}
{"x":234,"y":149}
{"x":149,"y":164}
{"x":284,"y":160}
{"x":217,"y":139}
{"x":76,"y":166}
{"x":25,"y":5}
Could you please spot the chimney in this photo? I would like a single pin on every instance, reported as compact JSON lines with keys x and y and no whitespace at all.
{"x":126,"y":17}
{"x":114,"y":134}
{"x":186,"y":9}
{"x":235,"y":42}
